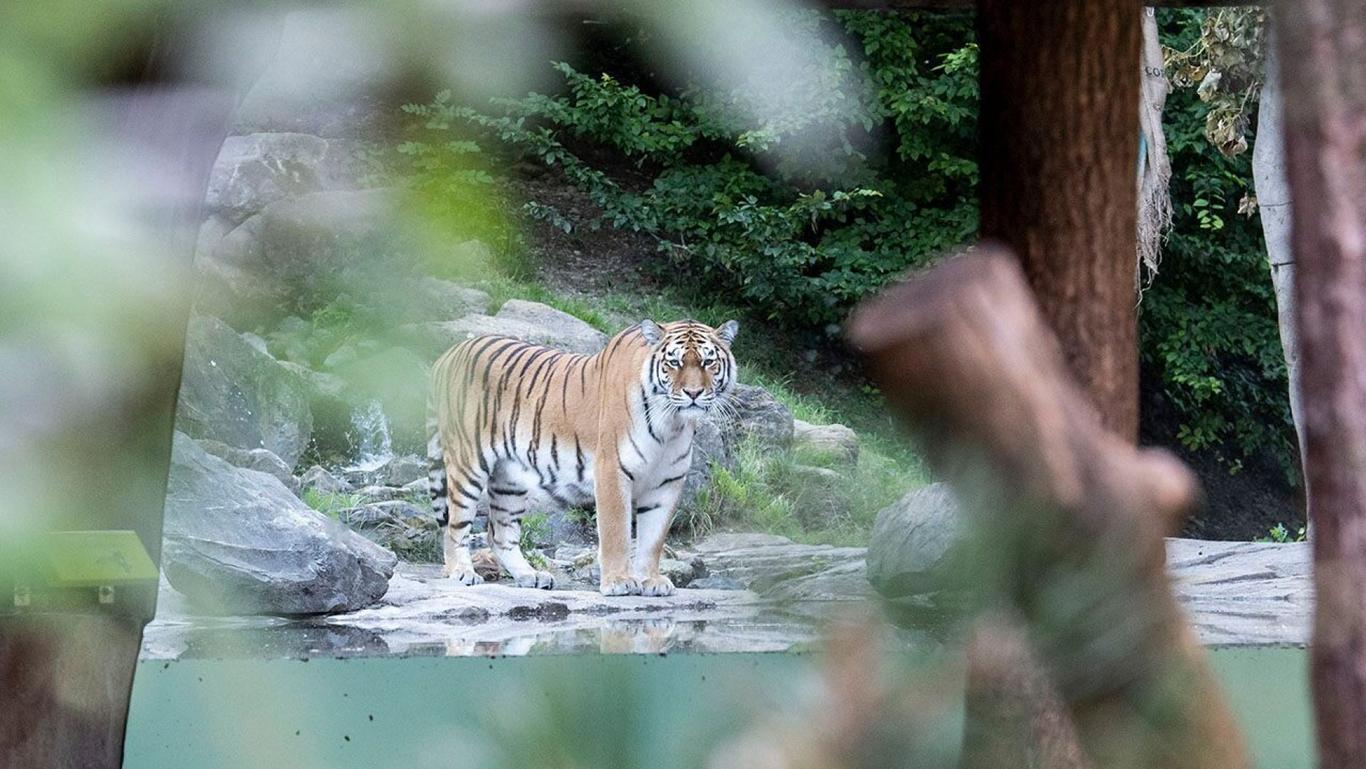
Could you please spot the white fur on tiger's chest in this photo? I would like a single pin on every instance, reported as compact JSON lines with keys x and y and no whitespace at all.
{"x":658,"y":448}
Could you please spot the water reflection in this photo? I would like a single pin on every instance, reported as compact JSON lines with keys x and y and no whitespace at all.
{"x":277,"y":638}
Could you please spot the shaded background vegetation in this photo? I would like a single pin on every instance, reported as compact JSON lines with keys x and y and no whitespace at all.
{"x":796,"y":248}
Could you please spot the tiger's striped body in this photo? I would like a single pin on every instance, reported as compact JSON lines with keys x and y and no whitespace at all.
{"x":511,"y":418}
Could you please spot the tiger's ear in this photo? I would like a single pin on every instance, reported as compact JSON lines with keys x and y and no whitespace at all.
{"x":727,"y":331}
{"x":651,"y":331}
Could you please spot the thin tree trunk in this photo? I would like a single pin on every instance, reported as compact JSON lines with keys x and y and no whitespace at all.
{"x":1273,"y":203}
{"x":1059,"y":141}
{"x":1323,"y":52}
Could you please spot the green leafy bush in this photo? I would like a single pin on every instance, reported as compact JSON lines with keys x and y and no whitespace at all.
{"x":1208,"y":324}
{"x":731,"y":212}
{"x":893,"y":186}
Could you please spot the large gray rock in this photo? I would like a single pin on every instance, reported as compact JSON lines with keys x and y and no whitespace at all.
{"x":306,"y":250}
{"x":441,"y":300}
{"x":913,"y":541}
{"x":330,"y":76}
{"x":232,"y":393}
{"x":755,"y":414}
{"x":761,"y":562}
{"x":258,"y":169}
{"x":571,"y":333}
{"x":403,"y":470}
{"x":543,"y":325}
{"x":237,"y":540}
{"x":260,"y":460}
{"x":320,"y":480}
{"x":835,"y":443}
{"x":710,"y":450}
{"x":819,"y":495}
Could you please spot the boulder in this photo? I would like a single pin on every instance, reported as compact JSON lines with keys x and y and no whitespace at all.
{"x":819,"y":494}
{"x":304,"y":251}
{"x":571,"y":333}
{"x":441,"y":300}
{"x":238,"y":541}
{"x":329,"y":75}
{"x":258,"y":169}
{"x":716,"y":583}
{"x":565,"y":332}
{"x":260,"y":460}
{"x":755,"y":414}
{"x":833,"y":444}
{"x":320,"y":480}
{"x":235,"y":394}
{"x":403,"y":470}
{"x":710,"y":449}
{"x":913,"y":542}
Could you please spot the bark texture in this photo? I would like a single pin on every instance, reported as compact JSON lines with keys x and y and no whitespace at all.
{"x":1077,"y":511}
{"x":1014,"y":716}
{"x":1323,"y":60}
{"x":1059,"y":142}
{"x":66,"y":681}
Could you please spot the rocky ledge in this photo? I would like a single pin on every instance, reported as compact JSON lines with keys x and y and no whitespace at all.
{"x":1236,"y":593}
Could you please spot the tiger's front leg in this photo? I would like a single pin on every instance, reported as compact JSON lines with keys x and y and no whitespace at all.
{"x":612,"y":492}
{"x":654,"y":513}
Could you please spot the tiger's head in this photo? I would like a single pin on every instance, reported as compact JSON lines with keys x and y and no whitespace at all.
{"x":691,"y":363}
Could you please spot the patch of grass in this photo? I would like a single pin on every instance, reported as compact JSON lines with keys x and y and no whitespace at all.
{"x":331,"y":504}
{"x":535,"y":530}
{"x":1282,"y":534}
{"x":784,"y":493}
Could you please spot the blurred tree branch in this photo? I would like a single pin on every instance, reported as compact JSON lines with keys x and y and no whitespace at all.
{"x":1078,"y":513}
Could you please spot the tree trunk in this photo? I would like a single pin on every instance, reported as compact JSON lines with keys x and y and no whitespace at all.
{"x":1077,"y":513}
{"x":1273,"y":203}
{"x":1013,"y":714}
{"x":1059,"y":141}
{"x":1323,"y":52}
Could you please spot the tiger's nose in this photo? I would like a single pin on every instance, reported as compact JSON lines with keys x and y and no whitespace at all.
{"x":694,"y":394}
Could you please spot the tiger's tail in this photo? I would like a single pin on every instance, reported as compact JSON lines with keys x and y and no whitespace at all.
{"x":436,"y":470}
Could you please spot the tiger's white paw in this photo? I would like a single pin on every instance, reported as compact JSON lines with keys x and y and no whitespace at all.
{"x":619,"y":586}
{"x":464,"y":576}
{"x":656,"y":586}
{"x":540,"y":579}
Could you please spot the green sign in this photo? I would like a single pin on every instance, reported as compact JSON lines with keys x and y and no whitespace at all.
{"x":94,"y":558}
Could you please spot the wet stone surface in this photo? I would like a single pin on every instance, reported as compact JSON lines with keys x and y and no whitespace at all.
{"x":777,"y":596}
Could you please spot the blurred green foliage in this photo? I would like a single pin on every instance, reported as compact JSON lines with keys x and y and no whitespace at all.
{"x":891,"y":186}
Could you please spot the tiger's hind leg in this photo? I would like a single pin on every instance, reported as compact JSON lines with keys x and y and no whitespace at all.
{"x":509,"y":497}
{"x":460,"y":493}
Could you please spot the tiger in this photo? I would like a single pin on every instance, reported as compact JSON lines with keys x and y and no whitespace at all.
{"x":508,"y":418}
